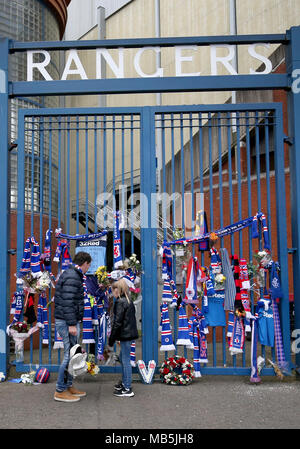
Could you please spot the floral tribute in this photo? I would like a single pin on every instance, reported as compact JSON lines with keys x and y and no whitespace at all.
{"x":176,"y":371}
{"x":92,"y":368}
{"x":102,"y":276}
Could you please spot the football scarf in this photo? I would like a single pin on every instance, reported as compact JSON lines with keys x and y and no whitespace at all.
{"x":132,"y":353}
{"x":230,"y":289}
{"x":191,"y":284}
{"x":101,"y":337}
{"x":183,"y":327}
{"x":244,"y":288}
{"x":62,"y":252}
{"x":87,"y":326}
{"x":236,"y":343}
{"x":255,"y":233}
{"x":31,"y":258}
{"x":117,"y":242}
{"x":166,"y":334}
{"x":17,"y":307}
{"x":84,"y":237}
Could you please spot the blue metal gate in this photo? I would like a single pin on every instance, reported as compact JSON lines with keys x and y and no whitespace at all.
{"x":103,"y":159}
{"x":237,"y":173}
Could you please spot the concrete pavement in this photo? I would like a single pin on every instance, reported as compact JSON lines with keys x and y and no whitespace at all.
{"x":210,"y":402}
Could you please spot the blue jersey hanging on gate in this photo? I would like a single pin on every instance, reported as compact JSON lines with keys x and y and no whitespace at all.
{"x":265,"y":322}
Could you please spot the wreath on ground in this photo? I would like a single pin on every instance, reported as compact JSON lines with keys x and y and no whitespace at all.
{"x":176,"y":371}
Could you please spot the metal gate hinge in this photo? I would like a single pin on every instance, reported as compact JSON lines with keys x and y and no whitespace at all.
{"x":289,"y":140}
{"x":12,"y":145}
{"x":292,"y":250}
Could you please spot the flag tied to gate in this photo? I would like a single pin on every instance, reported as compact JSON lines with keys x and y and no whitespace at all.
{"x":117,"y":242}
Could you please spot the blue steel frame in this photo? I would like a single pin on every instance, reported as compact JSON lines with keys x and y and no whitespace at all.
{"x":10,"y":89}
{"x":149,"y":234}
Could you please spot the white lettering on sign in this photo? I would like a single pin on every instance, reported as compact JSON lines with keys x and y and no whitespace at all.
{"x":117,"y":64}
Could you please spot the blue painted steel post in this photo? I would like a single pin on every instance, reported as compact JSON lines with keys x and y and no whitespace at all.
{"x":148,"y":238}
{"x":293,"y":69}
{"x":282,"y":232}
{"x":4,"y":203}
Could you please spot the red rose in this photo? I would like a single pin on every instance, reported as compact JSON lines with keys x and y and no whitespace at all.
{"x":181,"y":360}
{"x":166,"y":371}
{"x":186,"y":371}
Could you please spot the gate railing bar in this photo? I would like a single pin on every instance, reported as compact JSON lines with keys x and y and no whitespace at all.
{"x":211,"y":83}
{"x":17,"y":46}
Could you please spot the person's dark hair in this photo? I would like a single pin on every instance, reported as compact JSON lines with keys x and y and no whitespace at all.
{"x":82,"y":257}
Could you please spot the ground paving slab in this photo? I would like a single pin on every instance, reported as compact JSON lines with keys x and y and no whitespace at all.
{"x":210,"y":402}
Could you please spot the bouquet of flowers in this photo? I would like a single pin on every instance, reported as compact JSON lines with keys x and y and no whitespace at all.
{"x":134,"y":264}
{"x":19,"y":332}
{"x":102,"y":277}
{"x":28,"y":378}
{"x":20,"y":327}
{"x":36,"y":285}
{"x":220,"y":281}
{"x":263,"y":257}
{"x":92,"y":368}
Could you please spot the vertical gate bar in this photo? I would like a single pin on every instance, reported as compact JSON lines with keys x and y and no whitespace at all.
{"x":220,"y":174}
{"x":163,"y":199}
{"x":49,"y":227}
{"x":87,"y":174}
{"x":192,"y":177}
{"x":282,"y":230}
{"x":41,"y":208}
{"x":239,"y":182}
{"x":4,"y":201}
{"x":257,"y":158}
{"x":32,"y":206}
{"x":21,"y":189}
{"x":148,"y":236}
{"x":59,"y":174}
{"x":293,"y":69}
{"x":249,"y":196}
{"x":211,"y":199}
{"x":114,"y":155}
{"x":32,"y":178}
{"x":123,"y":185}
{"x":42,"y":182}
{"x":161,"y":124}
{"x":59,"y":197}
{"x":95,"y":172}
{"x":267,"y":153}
{"x":131,"y":181}
{"x":104,"y":168}
{"x":182,"y":172}
{"x":173,"y":218}
{"x":221,"y":212}
{"x":77,"y":175}
{"x":201,"y":168}
{"x":173,"y":172}
{"x":68,"y":176}
{"x":230,"y":177}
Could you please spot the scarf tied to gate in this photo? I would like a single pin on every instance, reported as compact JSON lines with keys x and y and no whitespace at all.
{"x":31,"y":259}
{"x":228,"y":230}
{"x":87,"y":328}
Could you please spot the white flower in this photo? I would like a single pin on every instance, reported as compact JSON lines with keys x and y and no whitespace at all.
{"x":262,"y":253}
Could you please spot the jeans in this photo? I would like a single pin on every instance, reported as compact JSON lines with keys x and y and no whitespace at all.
{"x":64,"y":379}
{"x":125,"y":362}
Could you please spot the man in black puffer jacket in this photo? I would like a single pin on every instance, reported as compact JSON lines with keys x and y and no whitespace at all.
{"x":69,"y":309}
